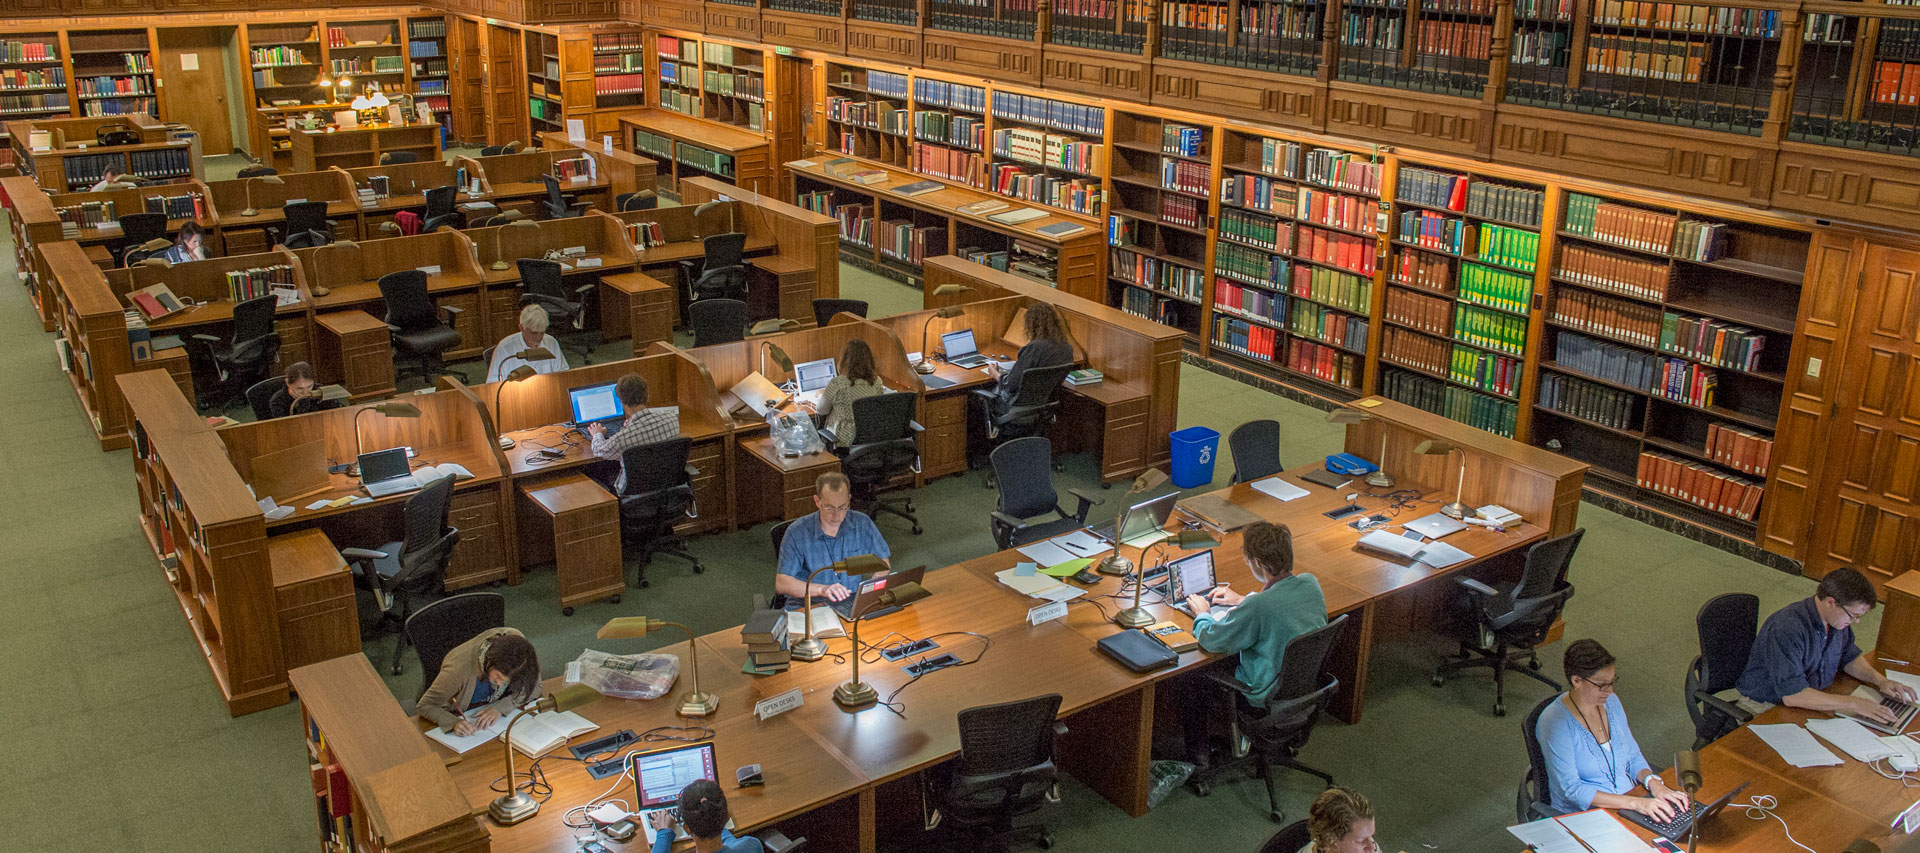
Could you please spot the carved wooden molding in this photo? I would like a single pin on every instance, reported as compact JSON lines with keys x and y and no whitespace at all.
{"x":1009,"y":60}
{"x":884,"y":42}
{"x":1433,"y":122}
{"x":806,"y":31}
{"x":1712,"y":165}
{"x":1853,"y":185}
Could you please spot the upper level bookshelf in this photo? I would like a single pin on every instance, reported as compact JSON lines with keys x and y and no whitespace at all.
{"x":950,"y":131}
{"x":903,"y":13}
{"x":1859,"y":82}
{"x":368,"y":51}
{"x":427,"y":58}
{"x":288,"y":62}
{"x":1119,"y":26}
{"x":678,"y":86}
{"x":1440,"y":46}
{"x":544,"y":111}
{"x":1008,"y":19}
{"x":733,"y":83}
{"x":112,"y":71}
{"x":1281,"y":36}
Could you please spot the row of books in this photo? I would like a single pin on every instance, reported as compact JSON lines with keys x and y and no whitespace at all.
{"x":254,"y":282}
{"x":1418,"y":352}
{"x":1590,"y":401}
{"x":278,"y":55}
{"x":1494,"y":330}
{"x":646,"y":235}
{"x":1495,"y":288}
{"x":430,"y":68}
{"x":1148,"y":271}
{"x":1049,"y":149}
{"x":1183,"y":140}
{"x":902,"y":241}
{"x":1454,"y":38}
{"x":1420,"y":269}
{"x":619,"y":84}
{"x":1619,"y":273}
{"x":685,"y":50}
{"x":1234,"y":298}
{"x":940,"y":93}
{"x":1060,"y":115}
{"x":1671,"y":60}
{"x":1607,"y":316}
{"x":1607,"y":361}
{"x":1342,"y":290}
{"x":884,"y":83}
{"x":1239,"y":336}
{"x":1328,"y":326}
{"x":953,"y":164}
{"x":605,"y":62}
{"x":1380,"y":32}
{"x":1695,"y":240}
{"x":1478,"y":198}
{"x":10,"y":104}
{"x":1541,"y":48}
{"x":1258,"y":192}
{"x":862,"y":113}
{"x":113,"y":86}
{"x":1497,"y":374}
{"x":1426,"y":313}
{"x":726,"y":54}
{"x":962,"y":130}
{"x":131,"y":63}
{"x":1432,"y":230}
{"x":737,"y":84}
{"x":1195,"y":16}
{"x":1714,"y":342}
{"x":13,"y":50}
{"x":856,"y":223}
{"x":1278,"y":20}
{"x":704,"y":159}
{"x":1700,"y":485}
{"x":1347,"y":251}
{"x":684,"y":103}
{"x":124,"y":106}
{"x":1185,"y":176}
{"x":1240,"y":226}
{"x":1184,"y":211}
{"x":426,"y":48}
{"x":1686,"y":382}
{"x":19,"y":78}
{"x":1336,"y":209}
{"x":1687,"y":18}
{"x":1896,"y":83}
{"x":337,"y":37}
{"x":437,"y":28}
{"x":1078,"y":195}
{"x":1738,"y":448}
{"x":1467,"y":7}
{"x":1135,"y":11}
{"x":687,"y":75}
{"x":1249,"y":265}
{"x":1324,"y":362}
{"x":1619,"y":224}
{"x":1467,"y":406}
{"x":367,"y":65}
{"x":1342,"y":171}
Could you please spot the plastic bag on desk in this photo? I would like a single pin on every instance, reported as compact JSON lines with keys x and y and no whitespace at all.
{"x":1165,"y":776}
{"x":794,"y":435}
{"x":642,"y":676}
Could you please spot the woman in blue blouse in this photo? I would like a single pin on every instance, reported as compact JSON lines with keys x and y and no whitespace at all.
{"x":1592,"y":759}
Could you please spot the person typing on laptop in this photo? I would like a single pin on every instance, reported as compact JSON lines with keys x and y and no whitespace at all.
{"x":857,"y":380}
{"x":642,"y":426}
{"x":1804,"y":645}
{"x":833,"y":532}
{"x":703,"y":811}
{"x":1592,"y":759}
{"x":1047,"y":345}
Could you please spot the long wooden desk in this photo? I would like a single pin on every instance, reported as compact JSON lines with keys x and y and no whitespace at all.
{"x":349,"y":147}
{"x":241,"y":234}
{"x":806,"y":263}
{"x":512,"y":177}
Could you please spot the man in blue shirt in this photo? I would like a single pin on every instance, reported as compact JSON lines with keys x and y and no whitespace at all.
{"x":1805,"y":644}
{"x":832,"y":533}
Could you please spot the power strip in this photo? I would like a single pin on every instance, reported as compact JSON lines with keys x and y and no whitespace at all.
{"x":900,"y":653}
{"x":600,"y":746}
{"x":933,"y":664}
{"x":607,"y":768}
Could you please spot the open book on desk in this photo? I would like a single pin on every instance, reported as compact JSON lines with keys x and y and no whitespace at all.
{"x":1592,"y":831}
{"x":1435,"y":553}
{"x":535,"y":737}
{"x":826,"y":624}
{"x":427,"y":474}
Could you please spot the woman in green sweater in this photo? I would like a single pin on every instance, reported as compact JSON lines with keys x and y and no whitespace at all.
{"x":1259,"y":624}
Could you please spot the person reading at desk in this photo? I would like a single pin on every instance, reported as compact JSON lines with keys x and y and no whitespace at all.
{"x":1592,"y":759}
{"x":857,"y":379}
{"x":188,"y":245}
{"x":108,"y":180}
{"x":481,"y":679}
{"x":1804,"y":645}
{"x":299,"y":395}
{"x":703,"y":811}
{"x":1258,"y":626}
{"x":1046,"y":346}
{"x":1340,"y":821}
{"x":642,"y":426}
{"x":533,"y":333}
{"x":833,"y":532}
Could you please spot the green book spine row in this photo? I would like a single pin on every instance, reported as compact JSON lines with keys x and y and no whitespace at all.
{"x":1252,"y":228}
{"x":1481,"y":411}
{"x":1344,"y":290}
{"x":1490,"y":329}
{"x":1496,"y":374}
{"x":1580,"y":213}
{"x":1249,"y":265}
{"x":1509,"y":247}
{"x":1495,"y":288}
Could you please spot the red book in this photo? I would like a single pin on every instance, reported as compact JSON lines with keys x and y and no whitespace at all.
{"x":1458,"y":199}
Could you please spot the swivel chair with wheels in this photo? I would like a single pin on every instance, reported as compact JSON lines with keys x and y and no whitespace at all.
{"x":658,"y":494}
{"x":886,"y":447}
{"x":416,"y":565}
{"x":440,"y":627}
{"x":440,"y":209}
{"x":260,"y":396}
{"x":1256,"y":450}
{"x":1030,"y":412}
{"x":420,"y":329}
{"x":1023,"y":470}
{"x":1512,"y":622}
{"x":718,"y":251}
{"x":1534,"y":800}
{"x":247,"y":355}
{"x":1277,"y":732}
{"x":638,"y":200}
{"x":720,"y":283}
{"x":566,"y":311}
{"x":306,"y":217}
{"x":556,"y":205}
{"x":1726,"y":625}
{"x":718,"y":321}
{"x":1291,"y":838}
{"x":1005,"y":771}
{"x":257,"y":171}
{"x":136,"y":229}
{"x":395,"y":158}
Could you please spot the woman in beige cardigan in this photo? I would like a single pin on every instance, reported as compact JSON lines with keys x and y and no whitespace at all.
{"x":494,"y":672}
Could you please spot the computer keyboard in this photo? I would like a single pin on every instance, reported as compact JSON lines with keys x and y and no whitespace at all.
{"x":1673,"y":827}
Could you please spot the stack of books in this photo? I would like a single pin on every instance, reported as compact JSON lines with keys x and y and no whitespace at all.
{"x":1085,"y":376}
{"x":765,"y":636}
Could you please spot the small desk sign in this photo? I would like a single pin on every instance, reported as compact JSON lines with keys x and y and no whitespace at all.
{"x":776,"y":705}
{"x":576,"y":130}
{"x":430,"y":270}
{"x":1047,"y":612}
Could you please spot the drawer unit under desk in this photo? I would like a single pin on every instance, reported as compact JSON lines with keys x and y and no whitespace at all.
{"x":709,"y":489}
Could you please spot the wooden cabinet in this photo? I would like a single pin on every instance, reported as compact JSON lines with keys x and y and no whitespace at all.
{"x":481,"y":556}
{"x":469,"y":322}
{"x":638,"y":306}
{"x":572,"y":521}
{"x":711,"y":492}
{"x":313,"y":591}
{"x":943,"y":444}
{"x":353,"y":349}
{"x":295,"y":341}
{"x":503,"y":315}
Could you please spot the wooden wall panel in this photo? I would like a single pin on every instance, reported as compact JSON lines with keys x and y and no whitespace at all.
{"x":1672,"y":159}
{"x":1001,"y":59}
{"x":672,"y":14}
{"x":1813,"y":384}
{"x":883,"y":42}
{"x":1096,"y":72}
{"x":1267,"y":98}
{"x":1433,"y":122}
{"x":809,"y":32}
{"x":733,"y":22}
{"x":1855,"y":185}
{"x":551,"y":11}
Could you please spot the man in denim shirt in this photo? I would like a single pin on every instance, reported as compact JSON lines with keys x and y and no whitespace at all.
{"x":1803,"y":645}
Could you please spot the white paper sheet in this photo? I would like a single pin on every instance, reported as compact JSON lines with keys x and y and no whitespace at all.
{"x":1795,"y":745}
{"x":1279,"y":489}
{"x":464,"y":744}
{"x":1852,"y":738}
{"x":1082,"y":544}
{"x":1046,"y":553}
{"x":1547,"y":836}
{"x":1603,"y":832}
{"x":1909,"y":680}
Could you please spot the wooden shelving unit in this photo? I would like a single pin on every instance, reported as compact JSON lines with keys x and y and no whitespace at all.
{"x":543,"y":82}
{"x":867,"y":114}
{"x":33,"y":84}
{"x":733,"y":86}
{"x":950,"y":131}
{"x":68,"y":167}
{"x":677,"y":84}
{"x":1066,"y":175}
{"x":1162,"y":174}
{"x":619,"y":70}
{"x":112,"y":71}
{"x":428,"y":69}
{"x":368,"y":52}
{"x":689,"y":148}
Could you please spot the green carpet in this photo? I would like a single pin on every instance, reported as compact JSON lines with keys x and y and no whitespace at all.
{"x":106,"y":671}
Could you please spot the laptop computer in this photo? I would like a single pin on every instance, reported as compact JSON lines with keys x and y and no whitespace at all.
{"x":1675,"y":829}
{"x":862,"y":601}
{"x":659,"y":777}
{"x":1435,"y":525}
{"x":810,"y":379}
{"x":1903,"y":712}
{"x":595,"y":404}
{"x":1142,"y":522}
{"x":1193,"y":575}
{"x":960,"y":349}
{"x":386,"y":472}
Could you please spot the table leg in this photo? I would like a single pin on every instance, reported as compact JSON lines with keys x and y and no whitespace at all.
{"x":1109,"y":746}
{"x":1348,"y":662}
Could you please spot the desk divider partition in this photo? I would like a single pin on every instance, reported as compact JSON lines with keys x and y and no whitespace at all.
{"x":806,"y":262}
{"x":240,"y":234}
{"x":625,"y":172}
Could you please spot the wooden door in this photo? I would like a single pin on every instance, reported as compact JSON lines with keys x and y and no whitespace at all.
{"x":469,"y":77}
{"x":1798,"y":465}
{"x":193,"y":68}
{"x":787,"y":116}
{"x":506,"y":109}
{"x":1870,"y":513}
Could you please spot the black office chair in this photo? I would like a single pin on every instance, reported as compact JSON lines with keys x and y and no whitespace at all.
{"x":134,"y":255}
{"x":1005,"y":771}
{"x":887,"y":447}
{"x":260,"y":396}
{"x":718,"y":251}
{"x":778,"y":534}
{"x":1023,"y":469}
{"x":1512,"y":623}
{"x":1726,"y":626}
{"x":416,"y":565}
{"x":439,"y":627}
{"x":497,"y":150}
{"x":440,"y":209}
{"x":307,"y":217}
{"x":658,"y":494}
{"x":416,"y":324}
{"x":556,"y":205}
{"x":1030,"y":413}
{"x":566,"y":311}
{"x":306,"y":240}
{"x":135,"y":230}
{"x":718,"y":321}
{"x":1280,"y":730}
{"x":394,"y":158}
{"x":1256,"y":450}
{"x":247,"y":355}
{"x":720,"y":283}
{"x":1291,"y":838}
{"x":1534,"y":800}
{"x":257,"y":171}
{"x":638,"y":200}
{"x":824,"y":309}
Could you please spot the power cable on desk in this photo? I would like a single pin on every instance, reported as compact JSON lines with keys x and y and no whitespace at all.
{"x":1761,"y":807}
{"x":899,"y":709}
{"x":653,"y":735}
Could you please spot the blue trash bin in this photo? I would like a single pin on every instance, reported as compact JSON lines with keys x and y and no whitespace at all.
{"x":1193,"y":452}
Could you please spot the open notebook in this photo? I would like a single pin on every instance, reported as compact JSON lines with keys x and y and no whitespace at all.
{"x":534,"y":736}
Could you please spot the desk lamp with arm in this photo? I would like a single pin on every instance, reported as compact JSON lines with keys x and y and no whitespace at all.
{"x":247,"y":187}
{"x":518,"y":374}
{"x":695,"y":703}
{"x":499,"y":262}
{"x":1436,"y":447}
{"x":390,"y":409}
{"x":321,"y":289}
{"x":779,"y":356}
{"x":856,"y":694}
{"x":515,"y":806}
{"x":1378,"y":477}
{"x":925,"y":364}
{"x":1686,"y":770}
{"x":809,"y":647}
{"x":771,"y":325}
{"x":1114,"y":564}
{"x":1186,"y":540}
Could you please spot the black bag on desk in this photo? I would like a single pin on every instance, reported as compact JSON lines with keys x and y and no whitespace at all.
{"x":116,"y":134}
{"x":1138,"y":652}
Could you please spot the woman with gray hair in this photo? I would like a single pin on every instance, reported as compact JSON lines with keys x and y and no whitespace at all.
{"x":533,"y":333}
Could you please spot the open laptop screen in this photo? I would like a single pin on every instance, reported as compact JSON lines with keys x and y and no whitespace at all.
{"x":595,"y":403}
{"x":813,"y":375}
{"x":1193,"y":574}
{"x":958,"y":344}
{"x":383,"y":465}
{"x":659,"y":776}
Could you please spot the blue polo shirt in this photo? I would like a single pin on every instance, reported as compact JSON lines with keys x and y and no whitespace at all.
{"x":807,"y":548}
{"x":1795,"y":649}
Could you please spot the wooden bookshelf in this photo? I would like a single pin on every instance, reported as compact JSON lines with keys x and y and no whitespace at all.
{"x":1061,"y":126}
{"x":33,"y":83}
{"x":687,"y":147}
{"x":428,"y":69}
{"x":677,"y":84}
{"x":356,"y":147}
{"x":950,"y":131}
{"x":619,"y":70}
{"x":112,"y":71}
{"x":543,"y":82}
{"x":1161,"y":211}
{"x":92,"y":339}
{"x":64,"y":165}
{"x":867,"y":114}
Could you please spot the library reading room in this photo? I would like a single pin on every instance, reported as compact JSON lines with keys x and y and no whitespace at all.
{"x":973,"y":425}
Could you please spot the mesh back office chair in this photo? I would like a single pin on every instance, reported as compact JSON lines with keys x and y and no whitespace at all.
{"x":247,"y":355}
{"x":440,"y":209}
{"x":1280,"y":730}
{"x":1005,"y":769}
{"x":658,"y":494}
{"x":720,"y":283}
{"x":886,"y":447}
{"x":637,"y":200}
{"x":778,"y":534}
{"x":718,"y":321}
{"x":1534,"y":800}
{"x":497,"y":150}
{"x":306,"y":218}
{"x":416,"y":323}
{"x":136,"y":229}
{"x":718,"y":251}
{"x":1256,"y":450}
{"x":556,"y":205}
{"x":1512,"y":622}
{"x":439,"y":627}
{"x":306,"y":240}
{"x":824,"y":309}
{"x":260,"y":396}
{"x":1023,"y":469}
{"x":397,"y":571}
{"x":1030,"y":412}
{"x":1726,"y":625}
{"x":1290,"y":839}
{"x":566,"y":311}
